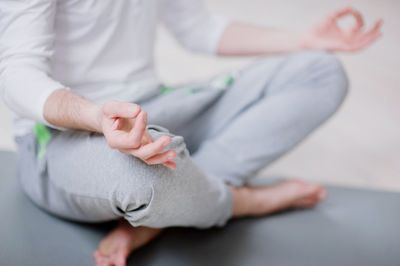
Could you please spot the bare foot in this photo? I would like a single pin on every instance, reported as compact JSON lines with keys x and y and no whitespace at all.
{"x":257,"y":201}
{"x":115,"y":248}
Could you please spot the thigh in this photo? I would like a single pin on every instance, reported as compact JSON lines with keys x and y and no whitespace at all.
{"x":247,"y":87}
{"x":66,"y":178}
{"x":264,"y":78}
{"x":177,"y":107}
{"x":200,"y":110}
{"x":81,"y":178}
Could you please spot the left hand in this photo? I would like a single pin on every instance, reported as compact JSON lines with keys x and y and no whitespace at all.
{"x":328,"y":35}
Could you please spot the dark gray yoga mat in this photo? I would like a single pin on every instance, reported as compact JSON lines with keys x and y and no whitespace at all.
{"x":353,"y":227}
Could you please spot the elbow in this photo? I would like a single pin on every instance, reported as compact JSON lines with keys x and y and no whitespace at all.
{"x":200,"y":44}
{"x":6,"y":91}
{"x":195,"y":44}
{"x":14,"y":98}
{"x":202,"y":39}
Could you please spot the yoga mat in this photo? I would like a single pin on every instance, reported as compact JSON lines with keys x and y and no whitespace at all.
{"x":352,"y":227}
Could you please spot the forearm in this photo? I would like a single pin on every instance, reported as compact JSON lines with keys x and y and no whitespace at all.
{"x":241,"y":39}
{"x":68,"y":110}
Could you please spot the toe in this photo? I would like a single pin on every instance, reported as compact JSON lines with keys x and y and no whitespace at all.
{"x":98,"y":257}
{"x":103,"y":261}
{"x":120,"y":262}
{"x":121,"y":257}
{"x":322,"y":194}
{"x":118,"y":258}
{"x":312,"y":195}
{"x":305,"y":203}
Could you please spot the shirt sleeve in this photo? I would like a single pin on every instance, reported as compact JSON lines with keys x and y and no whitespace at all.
{"x":192,"y":25}
{"x":26,"y":47}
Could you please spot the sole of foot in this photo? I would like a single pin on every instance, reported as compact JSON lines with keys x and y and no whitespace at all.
{"x":264,"y":200}
{"x":116,"y":247}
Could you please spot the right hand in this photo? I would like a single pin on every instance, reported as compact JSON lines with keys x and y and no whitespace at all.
{"x":124,"y":127}
{"x":329,"y":35}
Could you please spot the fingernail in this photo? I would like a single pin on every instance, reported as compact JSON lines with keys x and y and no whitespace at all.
{"x":323,"y":194}
{"x":136,"y":109}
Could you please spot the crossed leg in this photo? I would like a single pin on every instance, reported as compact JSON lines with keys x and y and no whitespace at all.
{"x":115,"y":248}
{"x":295,"y":96}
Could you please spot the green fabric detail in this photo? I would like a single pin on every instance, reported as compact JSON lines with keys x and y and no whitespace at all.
{"x":229,"y":80}
{"x":43,"y":137}
{"x":220,"y":83}
{"x":223,"y":82}
{"x":165,"y":89}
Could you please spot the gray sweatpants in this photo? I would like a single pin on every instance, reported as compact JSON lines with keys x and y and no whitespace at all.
{"x":232,"y":130}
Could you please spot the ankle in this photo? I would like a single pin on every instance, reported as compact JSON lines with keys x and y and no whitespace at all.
{"x":241,"y":201}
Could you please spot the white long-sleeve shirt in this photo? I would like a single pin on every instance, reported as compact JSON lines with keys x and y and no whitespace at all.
{"x":100,"y":49}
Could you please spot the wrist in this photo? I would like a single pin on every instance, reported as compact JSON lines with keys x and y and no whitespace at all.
{"x":305,"y":41}
{"x":94,"y":119}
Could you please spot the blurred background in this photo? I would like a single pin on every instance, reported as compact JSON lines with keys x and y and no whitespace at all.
{"x":360,"y":145}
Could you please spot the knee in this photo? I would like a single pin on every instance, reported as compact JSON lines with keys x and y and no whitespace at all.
{"x":330,"y":70}
{"x":159,"y":197}
{"x":183,"y":197}
{"x":327,"y":71}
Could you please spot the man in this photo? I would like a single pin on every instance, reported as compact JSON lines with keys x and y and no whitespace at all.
{"x":91,"y":117}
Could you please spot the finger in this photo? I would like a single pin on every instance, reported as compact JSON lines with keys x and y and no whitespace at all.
{"x":151,"y":149}
{"x":115,"y":124}
{"x":376,"y":28}
{"x":367,"y":38}
{"x":341,"y":12}
{"x":161,"y":157}
{"x":170,"y":164}
{"x":336,"y":15}
{"x":119,"y":260}
{"x":120,"y":139}
{"x":349,"y":11}
{"x":359,"y":21}
{"x":138,"y":130}
{"x":121,"y":109}
{"x":361,"y":41}
{"x":367,"y":41}
{"x":360,"y":44}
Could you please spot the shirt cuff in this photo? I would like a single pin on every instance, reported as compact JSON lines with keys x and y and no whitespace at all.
{"x":219,"y":24}
{"x":42,"y":98}
{"x":26,"y":92}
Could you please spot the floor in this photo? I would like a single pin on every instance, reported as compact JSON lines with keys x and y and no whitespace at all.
{"x":363,"y":230}
{"x":360,"y":146}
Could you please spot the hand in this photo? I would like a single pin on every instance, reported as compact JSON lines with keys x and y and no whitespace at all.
{"x":327,"y":35}
{"x":124,"y":127}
